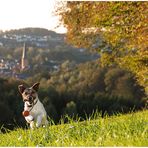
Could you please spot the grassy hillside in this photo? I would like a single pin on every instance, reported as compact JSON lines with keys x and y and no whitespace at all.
{"x":121,"y":130}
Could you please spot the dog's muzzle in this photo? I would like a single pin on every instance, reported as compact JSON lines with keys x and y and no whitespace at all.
{"x":29,"y":100}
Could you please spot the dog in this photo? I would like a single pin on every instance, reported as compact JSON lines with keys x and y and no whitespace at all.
{"x":36,"y":113}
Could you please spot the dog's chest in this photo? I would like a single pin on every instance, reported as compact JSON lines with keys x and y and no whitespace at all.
{"x":37,"y":109}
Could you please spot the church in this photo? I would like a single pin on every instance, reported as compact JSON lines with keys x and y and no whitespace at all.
{"x":24,"y":61}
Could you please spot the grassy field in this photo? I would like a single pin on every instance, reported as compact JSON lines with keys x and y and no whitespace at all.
{"x":120,"y":130}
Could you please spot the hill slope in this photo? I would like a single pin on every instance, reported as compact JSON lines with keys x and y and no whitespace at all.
{"x":121,"y":130}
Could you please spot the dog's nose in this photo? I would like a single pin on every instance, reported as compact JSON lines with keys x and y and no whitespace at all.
{"x":30,"y":98}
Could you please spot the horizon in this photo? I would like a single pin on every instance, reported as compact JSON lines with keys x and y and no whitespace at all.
{"x":4,"y":31}
{"x":18,"y":14}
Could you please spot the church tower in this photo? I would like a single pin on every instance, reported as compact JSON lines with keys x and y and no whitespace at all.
{"x":24,"y":62}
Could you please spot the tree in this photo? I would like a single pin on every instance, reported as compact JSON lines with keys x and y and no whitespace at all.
{"x":118,"y":30}
{"x":120,"y":83}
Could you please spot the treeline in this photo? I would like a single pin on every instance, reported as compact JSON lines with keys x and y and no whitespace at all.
{"x":78,"y":91}
{"x":31,"y":31}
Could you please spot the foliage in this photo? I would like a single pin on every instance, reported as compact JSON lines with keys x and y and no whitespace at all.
{"x":10,"y":103}
{"x":117,"y":29}
{"x":40,"y":59}
{"x":121,"y":130}
{"x":76,"y":92}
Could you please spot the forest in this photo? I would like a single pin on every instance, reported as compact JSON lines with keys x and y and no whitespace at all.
{"x":75,"y":92}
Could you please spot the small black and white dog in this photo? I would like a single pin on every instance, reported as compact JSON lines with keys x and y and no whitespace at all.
{"x":34,"y":111}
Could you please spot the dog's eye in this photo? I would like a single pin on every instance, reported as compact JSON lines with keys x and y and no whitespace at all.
{"x":26,"y":93}
{"x":32,"y":93}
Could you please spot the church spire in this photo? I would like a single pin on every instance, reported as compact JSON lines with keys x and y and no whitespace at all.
{"x":24,"y":51}
{"x":24,"y":60}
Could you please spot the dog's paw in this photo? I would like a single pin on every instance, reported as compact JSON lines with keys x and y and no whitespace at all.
{"x":37,"y":125}
{"x":29,"y":118}
{"x":32,"y":126}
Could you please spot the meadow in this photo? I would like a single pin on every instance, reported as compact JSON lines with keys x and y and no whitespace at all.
{"x":118,"y":130}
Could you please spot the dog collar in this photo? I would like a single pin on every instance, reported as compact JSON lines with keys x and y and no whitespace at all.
{"x":32,"y":105}
{"x":29,"y":105}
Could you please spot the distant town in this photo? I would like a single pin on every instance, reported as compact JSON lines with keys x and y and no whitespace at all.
{"x":37,"y":39}
{"x":41,"y":41}
{"x":11,"y":68}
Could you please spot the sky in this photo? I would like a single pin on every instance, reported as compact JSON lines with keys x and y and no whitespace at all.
{"x":15,"y":14}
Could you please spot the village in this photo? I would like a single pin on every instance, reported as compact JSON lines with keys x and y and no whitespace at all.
{"x":49,"y":47}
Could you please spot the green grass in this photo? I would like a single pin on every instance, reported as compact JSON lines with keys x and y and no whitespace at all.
{"x":120,"y":130}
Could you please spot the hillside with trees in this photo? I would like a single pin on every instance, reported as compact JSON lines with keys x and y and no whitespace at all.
{"x":113,"y":81}
{"x":118,"y":30}
{"x":48,"y":49}
{"x":32,"y":32}
{"x":76,"y":92}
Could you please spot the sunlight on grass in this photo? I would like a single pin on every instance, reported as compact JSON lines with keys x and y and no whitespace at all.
{"x":120,"y":130}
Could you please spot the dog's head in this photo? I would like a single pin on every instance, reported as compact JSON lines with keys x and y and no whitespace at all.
{"x":29,"y":95}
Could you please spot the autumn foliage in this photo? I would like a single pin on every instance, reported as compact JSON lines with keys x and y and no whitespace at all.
{"x":118,"y":30}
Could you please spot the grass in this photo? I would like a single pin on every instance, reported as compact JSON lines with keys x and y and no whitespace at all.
{"x":119,"y":130}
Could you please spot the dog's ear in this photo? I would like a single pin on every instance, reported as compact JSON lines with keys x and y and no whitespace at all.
{"x":21,"y":88}
{"x":36,"y":86}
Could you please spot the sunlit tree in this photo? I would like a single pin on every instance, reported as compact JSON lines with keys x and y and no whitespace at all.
{"x":118,"y":30}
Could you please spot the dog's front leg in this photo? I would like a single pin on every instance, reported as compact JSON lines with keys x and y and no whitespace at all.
{"x":32,"y":124}
{"x":39,"y":120}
